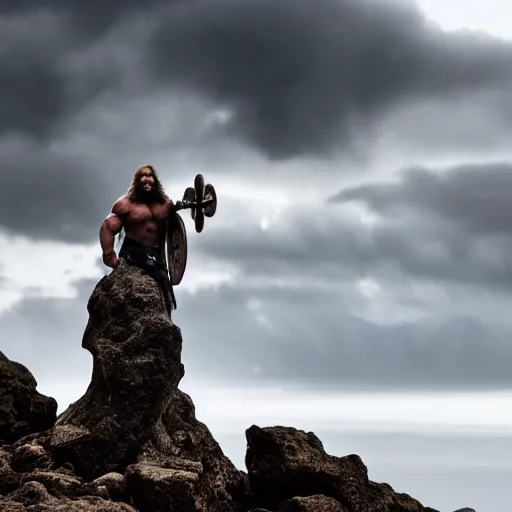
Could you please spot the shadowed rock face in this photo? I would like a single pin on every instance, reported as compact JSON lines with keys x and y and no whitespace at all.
{"x":132,"y":442}
{"x":23,"y":410}
{"x":136,"y":369}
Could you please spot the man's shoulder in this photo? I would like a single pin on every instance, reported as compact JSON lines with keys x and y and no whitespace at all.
{"x":121,"y":206}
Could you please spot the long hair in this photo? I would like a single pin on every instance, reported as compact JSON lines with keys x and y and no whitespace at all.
{"x":136,"y":193}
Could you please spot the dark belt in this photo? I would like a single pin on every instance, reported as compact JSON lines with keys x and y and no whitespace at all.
{"x":140,"y":254}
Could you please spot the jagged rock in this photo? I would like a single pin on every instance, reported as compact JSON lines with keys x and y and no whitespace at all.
{"x":23,"y":410}
{"x":111,"y":486}
{"x":383,"y":495}
{"x":284,"y":463}
{"x":185,"y":444}
{"x":56,"y":483}
{"x":317,"y":503}
{"x":29,"y":457}
{"x":466,"y":509}
{"x":33,"y":497}
{"x":156,"y":489}
{"x":9,"y":480}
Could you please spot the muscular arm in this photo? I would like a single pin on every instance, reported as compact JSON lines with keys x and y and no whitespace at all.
{"x":110,"y":227}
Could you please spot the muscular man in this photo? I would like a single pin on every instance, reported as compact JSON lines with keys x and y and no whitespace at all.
{"x":143,"y":214}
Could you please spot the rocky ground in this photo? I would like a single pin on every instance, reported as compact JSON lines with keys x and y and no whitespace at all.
{"x":132,"y":442}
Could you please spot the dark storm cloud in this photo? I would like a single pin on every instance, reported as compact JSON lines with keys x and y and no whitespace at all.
{"x":31,"y":91}
{"x":51,"y":198}
{"x":90,"y":17}
{"x":307,"y":77}
{"x":302,"y":77}
{"x":36,"y":91}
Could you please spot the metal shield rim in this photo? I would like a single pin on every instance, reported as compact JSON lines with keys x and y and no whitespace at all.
{"x":180,"y":227}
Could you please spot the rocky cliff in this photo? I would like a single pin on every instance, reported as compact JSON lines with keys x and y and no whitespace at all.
{"x":132,"y":442}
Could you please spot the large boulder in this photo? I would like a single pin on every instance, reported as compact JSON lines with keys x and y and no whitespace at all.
{"x":285,"y":463}
{"x":34,"y":496}
{"x":23,"y":410}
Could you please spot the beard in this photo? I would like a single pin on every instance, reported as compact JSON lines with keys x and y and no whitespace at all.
{"x":137,"y":193}
{"x":146,"y":196}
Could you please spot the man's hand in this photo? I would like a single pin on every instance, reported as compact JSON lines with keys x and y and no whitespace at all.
{"x":182,"y":205}
{"x":110,"y":259}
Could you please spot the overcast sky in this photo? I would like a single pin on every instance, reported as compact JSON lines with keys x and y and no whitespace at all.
{"x":362,"y":244}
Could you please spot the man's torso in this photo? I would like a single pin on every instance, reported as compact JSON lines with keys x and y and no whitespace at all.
{"x":144,"y":223}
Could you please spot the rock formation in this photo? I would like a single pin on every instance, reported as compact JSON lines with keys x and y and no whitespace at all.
{"x":22,"y":409}
{"x":132,"y":442}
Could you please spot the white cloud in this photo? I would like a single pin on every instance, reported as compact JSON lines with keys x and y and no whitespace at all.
{"x":45,"y":269}
{"x":492,"y":16}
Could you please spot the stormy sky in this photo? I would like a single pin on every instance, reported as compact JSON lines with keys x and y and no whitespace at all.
{"x":356,"y":277}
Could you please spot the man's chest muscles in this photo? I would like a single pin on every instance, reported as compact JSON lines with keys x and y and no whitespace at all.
{"x":142,"y":214}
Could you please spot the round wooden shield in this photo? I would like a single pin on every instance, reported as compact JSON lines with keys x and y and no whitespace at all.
{"x":176,"y":249}
{"x":199,"y":213}
{"x":210,"y":194}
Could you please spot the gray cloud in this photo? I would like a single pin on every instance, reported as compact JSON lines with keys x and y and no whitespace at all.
{"x":444,"y":227}
{"x":449,"y":225}
{"x":315,"y":342}
{"x":48,"y":197}
{"x":473,"y":197}
{"x":31,"y":91}
{"x":40,"y":41}
{"x":53,"y":333}
{"x":310,"y":77}
{"x":90,"y":18}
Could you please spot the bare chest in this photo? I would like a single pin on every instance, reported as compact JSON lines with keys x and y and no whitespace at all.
{"x":141,"y":213}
